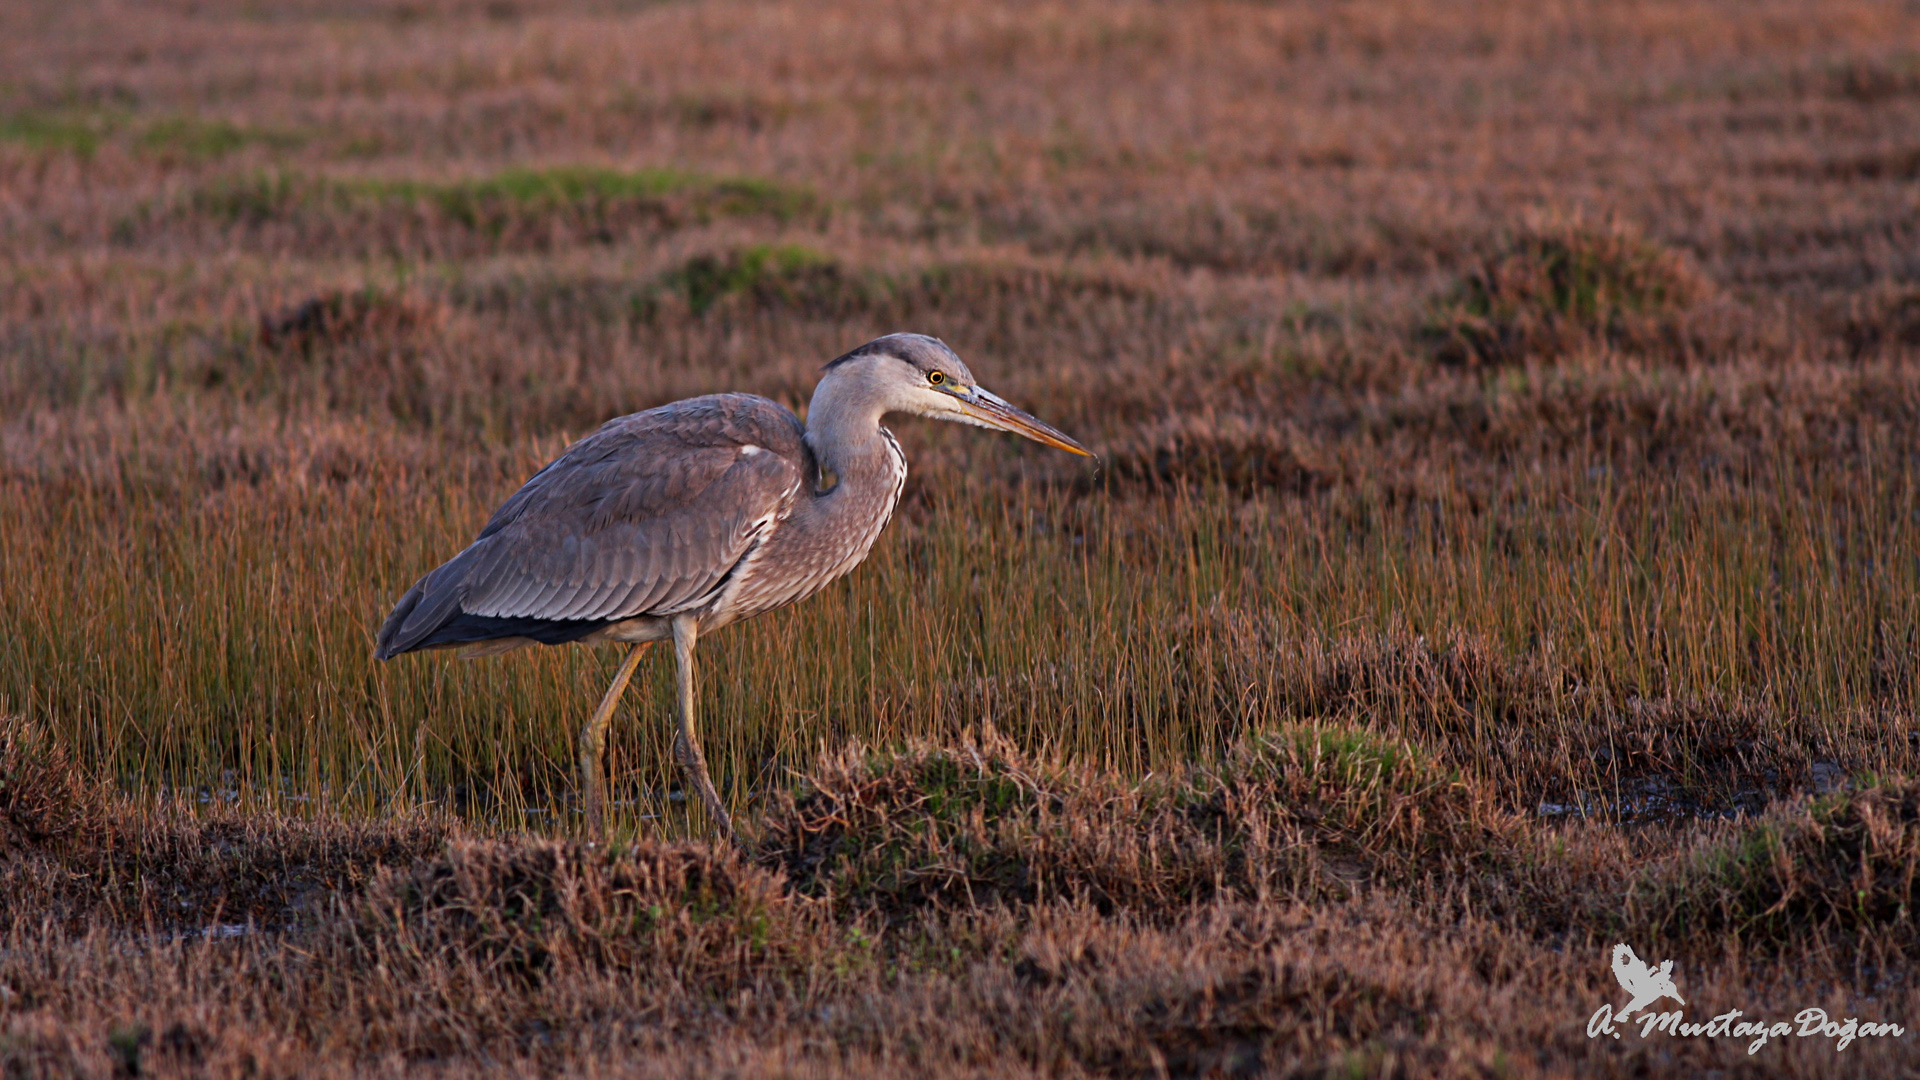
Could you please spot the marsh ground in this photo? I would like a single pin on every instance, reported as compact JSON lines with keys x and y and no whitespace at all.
{"x":1503,"y":546}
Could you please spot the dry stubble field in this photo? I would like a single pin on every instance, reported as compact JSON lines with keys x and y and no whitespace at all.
{"x":1506,"y":541}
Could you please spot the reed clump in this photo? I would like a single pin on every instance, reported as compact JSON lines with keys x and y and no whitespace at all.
{"x":1561,"y":284}
{"x":45,"y":801}
{"x":530,"y":913}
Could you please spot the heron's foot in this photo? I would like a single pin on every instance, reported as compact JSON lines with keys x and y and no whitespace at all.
{"x":720,"y":815}
{"x":694,"y":764}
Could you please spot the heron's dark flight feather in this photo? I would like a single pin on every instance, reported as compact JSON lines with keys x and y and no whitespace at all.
{"x":465,"y":629}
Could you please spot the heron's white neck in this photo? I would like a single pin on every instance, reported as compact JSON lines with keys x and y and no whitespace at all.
{"x":843,"y":421}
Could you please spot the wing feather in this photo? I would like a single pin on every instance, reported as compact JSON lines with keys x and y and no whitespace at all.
{"x":621,"y":575}
{"x":593,"y":598}
{"x":506,"y":594}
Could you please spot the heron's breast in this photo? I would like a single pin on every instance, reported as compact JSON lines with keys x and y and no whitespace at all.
{"x":813,"y":547}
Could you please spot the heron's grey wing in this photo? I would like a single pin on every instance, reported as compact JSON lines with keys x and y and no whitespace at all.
{"x":629,"y":536}
{"x":647,"y":516}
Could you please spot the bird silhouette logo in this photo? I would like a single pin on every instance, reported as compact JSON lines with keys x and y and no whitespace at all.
{"x":1646,"y":984}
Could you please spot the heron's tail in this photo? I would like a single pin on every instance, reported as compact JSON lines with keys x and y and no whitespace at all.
{"x":430,"y":616}
{"x":431,"y":602}
{"x":387,"y":645}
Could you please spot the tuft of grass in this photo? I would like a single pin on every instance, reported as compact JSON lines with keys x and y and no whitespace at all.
{"x":524,"y":914}
{"x":766,"y":275}
{"x":895,"y":831}
{"x":76,"y":850}
{"x":1297,"y":811}
{"x":1232,"y":453}
{"x":1352,"y":780}
{"x":45,"y":803}
{"x":1558,"y":285}
{"x":1843,"y":866}
{"x":254,"y":198}
{"x":345,"y":317}
{"x":1883,"y":322}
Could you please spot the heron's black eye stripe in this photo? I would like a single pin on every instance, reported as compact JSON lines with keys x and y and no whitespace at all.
{"x":936,"y":377}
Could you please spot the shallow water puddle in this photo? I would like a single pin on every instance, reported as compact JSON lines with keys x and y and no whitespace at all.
{"x":1654,"y":799}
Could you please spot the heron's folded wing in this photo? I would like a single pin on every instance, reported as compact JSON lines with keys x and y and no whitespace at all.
{"x":630,"y":537}
{"x":647,"y":516}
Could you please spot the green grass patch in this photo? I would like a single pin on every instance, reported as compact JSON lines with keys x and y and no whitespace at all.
{"x":54,"y":132}
{"x":496,"y":202}
{"x":202,"y":139}
{"x":788,"y":275}
{"x":193,"y":138}
{"x":795,"y":279}
{"x":1350,"y":776}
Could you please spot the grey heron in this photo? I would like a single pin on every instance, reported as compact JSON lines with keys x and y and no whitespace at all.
{"x":671,"y":523}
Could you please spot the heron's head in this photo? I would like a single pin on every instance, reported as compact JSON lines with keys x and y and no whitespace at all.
{"x":917,"y":374}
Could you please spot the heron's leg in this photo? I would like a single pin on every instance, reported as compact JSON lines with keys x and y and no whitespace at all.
{"x":593,"y":739}
{"x":692,"y":761}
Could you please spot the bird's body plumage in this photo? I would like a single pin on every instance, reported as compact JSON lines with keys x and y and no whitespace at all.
{"x":652,"y":515}
{"x":714,"y":506}
{"x":677,"y":521}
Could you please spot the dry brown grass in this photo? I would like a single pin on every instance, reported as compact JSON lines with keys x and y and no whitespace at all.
{"x":1502,"y":545}
{"x":1324,"y":901}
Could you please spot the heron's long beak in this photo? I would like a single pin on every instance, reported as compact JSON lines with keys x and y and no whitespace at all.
{"x":994,"y":411}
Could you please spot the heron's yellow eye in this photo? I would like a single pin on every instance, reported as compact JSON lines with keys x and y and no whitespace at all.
{"x":936,"y":377}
